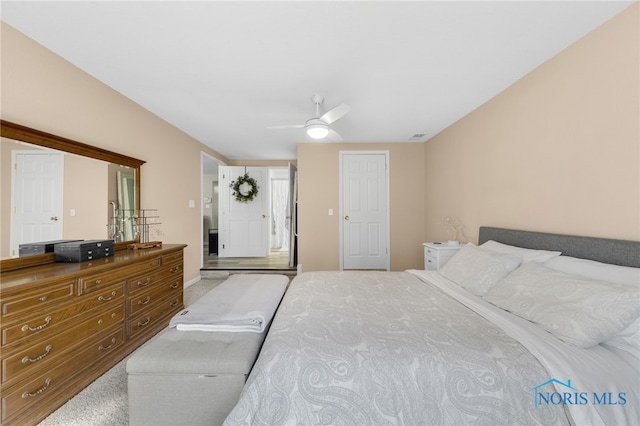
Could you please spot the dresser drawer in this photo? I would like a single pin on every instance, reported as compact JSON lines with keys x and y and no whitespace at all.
{"x":46,"y":324}
{"x":430,"y":252}
{"x":436,"y":261}
{"x":54,"y":293}
{"x":95,"y":282}
{"x":430,"y":262}
{"x":159,"y":291}
{"x":156,"y":316}
{"x":44,"y":354}
{"x":98,"y":282}
{"x":36,"y":392}
{"x":145,"y":282}
{"x":174,"y":269}
{"x":48,"y":384}
{"x":173,"y":258}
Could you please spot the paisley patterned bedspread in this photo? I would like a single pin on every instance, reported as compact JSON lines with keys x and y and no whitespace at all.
{"x":385,"y":348}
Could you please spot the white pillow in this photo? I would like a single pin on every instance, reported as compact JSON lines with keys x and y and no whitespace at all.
{"x":596,"y":270}
{"x":627,"y":340}
{"x":478,"y":270}
{"x":577,"y":310}
{"x":528,"y":255}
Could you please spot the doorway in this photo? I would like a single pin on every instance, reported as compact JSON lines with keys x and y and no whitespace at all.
{"x":277,"y":258}
{"x":279,"y":228}
{"x":209,"y":193}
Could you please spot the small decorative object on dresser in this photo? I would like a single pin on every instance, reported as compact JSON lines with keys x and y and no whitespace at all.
{"x":437,"y":254}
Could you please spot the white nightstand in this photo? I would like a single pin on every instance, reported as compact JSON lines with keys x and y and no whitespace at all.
{"x":437,"y":254}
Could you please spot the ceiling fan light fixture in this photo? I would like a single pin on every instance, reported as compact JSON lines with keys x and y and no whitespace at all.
{"x":317,"y":130}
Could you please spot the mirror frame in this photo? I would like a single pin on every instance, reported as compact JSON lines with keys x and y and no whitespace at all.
{"x":21,"y":133}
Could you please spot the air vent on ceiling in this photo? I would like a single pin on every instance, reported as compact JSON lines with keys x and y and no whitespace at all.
{"x":417,"y":137}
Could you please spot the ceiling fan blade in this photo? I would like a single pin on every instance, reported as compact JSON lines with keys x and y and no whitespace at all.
{"x":287,"y":126}
{"x":334,"y":136}
{"x":335,"y":113}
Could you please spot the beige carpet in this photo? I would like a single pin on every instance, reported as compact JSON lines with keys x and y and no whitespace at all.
{"x":104,"y":402}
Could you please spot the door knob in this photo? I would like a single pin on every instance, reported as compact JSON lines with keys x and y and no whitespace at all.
{"x":346,"y":217}
{"x":54,"y":218}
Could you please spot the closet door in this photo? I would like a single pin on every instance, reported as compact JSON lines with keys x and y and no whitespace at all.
{"x":365,"y":224}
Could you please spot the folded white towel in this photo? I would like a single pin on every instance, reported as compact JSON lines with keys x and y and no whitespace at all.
{"x":244,"y":302}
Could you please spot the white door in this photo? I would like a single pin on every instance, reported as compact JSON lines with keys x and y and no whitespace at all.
{"x":365,"y":211}
{"x":36,"y":213}
{"x":243,"y":226}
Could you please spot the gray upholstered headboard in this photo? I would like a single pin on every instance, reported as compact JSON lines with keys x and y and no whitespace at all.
{"x":617,"y":252}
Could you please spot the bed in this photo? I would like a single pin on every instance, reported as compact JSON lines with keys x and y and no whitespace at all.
{"x":499,"y":335}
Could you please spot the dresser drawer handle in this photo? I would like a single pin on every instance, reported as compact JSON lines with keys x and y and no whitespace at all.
{"x":144,"y":283}
{"x":47,"y":382}
{"x":174,"y":303}
{"x":174,"y":270}
{"x":146,"y":321}
{"x":174,"y":286}
{"x":145,"y":301}
{"x":107,"y":299}
{"x":43,"y":298}
{"x":27,"y":360}
{"x":105,"y":348}
{"x":26,"y":327}
{"x":98,"y":282}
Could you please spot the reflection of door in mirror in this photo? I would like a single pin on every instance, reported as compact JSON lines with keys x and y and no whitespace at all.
{"x":36,"y":197}
{"x":80,"y":202}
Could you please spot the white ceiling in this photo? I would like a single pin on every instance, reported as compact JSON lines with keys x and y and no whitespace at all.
{"x":225,"y":71}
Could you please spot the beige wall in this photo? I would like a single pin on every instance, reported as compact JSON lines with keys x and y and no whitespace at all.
{"x":318,"y":191}
{"x":43,"y":91}
{"x":559,"y":151}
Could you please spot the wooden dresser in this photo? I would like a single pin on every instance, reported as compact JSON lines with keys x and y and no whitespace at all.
{"x":64,"y":324}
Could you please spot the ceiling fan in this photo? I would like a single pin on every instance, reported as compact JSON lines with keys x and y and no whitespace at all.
{"x":318,"y":126}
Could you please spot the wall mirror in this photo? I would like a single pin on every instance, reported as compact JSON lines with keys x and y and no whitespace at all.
{"x":99,"y":191}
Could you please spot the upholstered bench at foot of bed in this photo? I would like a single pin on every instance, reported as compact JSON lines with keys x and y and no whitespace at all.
{"x":189,"y":377}
{"x":195,"y":376}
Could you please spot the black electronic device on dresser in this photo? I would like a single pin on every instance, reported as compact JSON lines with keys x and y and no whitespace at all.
{"x":82,"y":251}
{"x":41,"y":247}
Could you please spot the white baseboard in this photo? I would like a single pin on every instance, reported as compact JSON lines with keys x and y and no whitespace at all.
{"x":192,"y":282}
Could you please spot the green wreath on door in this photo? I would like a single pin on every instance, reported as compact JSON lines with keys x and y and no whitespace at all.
{"x":245,"y":188}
